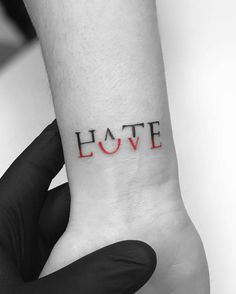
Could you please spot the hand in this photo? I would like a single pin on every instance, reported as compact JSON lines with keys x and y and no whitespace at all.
{"x":33,"y":218}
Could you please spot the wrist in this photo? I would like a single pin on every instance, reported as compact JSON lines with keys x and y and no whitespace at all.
{"x":130,"y":156}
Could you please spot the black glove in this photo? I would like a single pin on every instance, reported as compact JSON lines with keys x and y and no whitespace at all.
{"x":17,"y":12}
{"x":33,"y":218}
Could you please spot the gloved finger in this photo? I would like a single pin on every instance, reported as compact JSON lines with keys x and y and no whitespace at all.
{"x":28,"y":178}
{"x":55,"y":214}
{"x":122,"y":268}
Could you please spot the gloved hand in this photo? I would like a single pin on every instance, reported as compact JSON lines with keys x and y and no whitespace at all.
{"x":33,"y":218}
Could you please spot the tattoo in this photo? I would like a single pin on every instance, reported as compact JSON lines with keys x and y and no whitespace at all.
{"x":133,"y":128}
{"x":81,"y":144}
{"x":153,"y":134}
{"x":100,"y":144}
{"x":109,"y":133}
{"x":133,"y":140}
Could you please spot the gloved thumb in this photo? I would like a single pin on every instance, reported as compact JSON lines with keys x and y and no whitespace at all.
{"x":121,"y":268}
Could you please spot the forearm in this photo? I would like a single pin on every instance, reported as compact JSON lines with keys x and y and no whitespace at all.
{"x":106,"y":73}
{"x":105,"y":68}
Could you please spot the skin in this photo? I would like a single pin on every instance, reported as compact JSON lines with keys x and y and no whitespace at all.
{"x":33,"y":218}
{"x":105,"y":67}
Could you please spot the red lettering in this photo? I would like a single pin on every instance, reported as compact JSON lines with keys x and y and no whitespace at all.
{"x":100,"y":144}
{"x":154,"y":146}
{"x":81,"y":144}
{"x":134,"y":144}
{"x":81,"y":155}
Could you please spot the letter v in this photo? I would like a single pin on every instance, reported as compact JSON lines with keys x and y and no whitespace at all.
{"x":134,"y":144}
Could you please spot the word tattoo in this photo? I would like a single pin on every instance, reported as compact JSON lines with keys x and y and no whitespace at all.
{"x":133,"y":140}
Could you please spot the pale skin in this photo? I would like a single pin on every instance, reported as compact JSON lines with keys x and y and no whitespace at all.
{"x":105,"y":67}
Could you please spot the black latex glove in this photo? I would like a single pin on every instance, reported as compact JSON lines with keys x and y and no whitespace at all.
{"x":33,"y":218}
{"x":17,"y":12}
